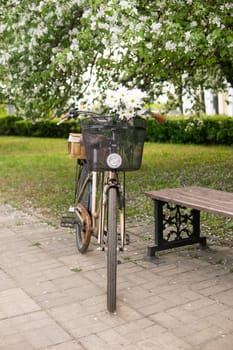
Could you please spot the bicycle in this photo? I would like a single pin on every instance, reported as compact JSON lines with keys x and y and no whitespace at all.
{"x":108,"y":149}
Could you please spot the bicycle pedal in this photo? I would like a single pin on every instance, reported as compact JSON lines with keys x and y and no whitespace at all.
{"x":68,"y":221}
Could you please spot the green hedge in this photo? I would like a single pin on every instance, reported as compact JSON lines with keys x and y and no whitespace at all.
{"x":45,"y":128}
{"x":197,"y":130}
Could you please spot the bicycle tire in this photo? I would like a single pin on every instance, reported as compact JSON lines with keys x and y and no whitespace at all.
{"x":83,"y":228}
{"x":82,"y":210}
{"x":112,"y":249}
{"x":85,"y":199}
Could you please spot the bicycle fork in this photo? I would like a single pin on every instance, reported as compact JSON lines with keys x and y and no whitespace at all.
{"x":111,"y":180}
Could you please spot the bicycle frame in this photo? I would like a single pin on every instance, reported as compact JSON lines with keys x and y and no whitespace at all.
{"x":101,"y":183}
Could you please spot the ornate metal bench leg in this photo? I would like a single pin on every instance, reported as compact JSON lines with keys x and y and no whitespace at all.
{"x":175,"y":226}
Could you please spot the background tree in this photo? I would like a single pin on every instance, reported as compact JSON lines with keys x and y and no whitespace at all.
{"x":52,"y":51}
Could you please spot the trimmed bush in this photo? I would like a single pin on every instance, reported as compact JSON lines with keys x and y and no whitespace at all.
{"x":7,"y":125}
{"x":194,"y":129}
{"x":44,"y":128}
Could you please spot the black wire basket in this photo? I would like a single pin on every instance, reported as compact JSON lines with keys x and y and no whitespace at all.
{"x":103,"y":136}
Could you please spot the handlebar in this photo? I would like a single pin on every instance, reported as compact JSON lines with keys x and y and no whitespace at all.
{"x":75,"y":113}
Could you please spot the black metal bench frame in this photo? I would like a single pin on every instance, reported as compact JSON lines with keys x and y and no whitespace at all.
{"x":177,"y":215}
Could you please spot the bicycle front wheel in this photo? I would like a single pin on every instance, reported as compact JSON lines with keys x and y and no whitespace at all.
{"x":112,"y":249}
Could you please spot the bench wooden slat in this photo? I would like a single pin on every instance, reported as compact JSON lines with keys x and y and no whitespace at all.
{"x":200,"y":198}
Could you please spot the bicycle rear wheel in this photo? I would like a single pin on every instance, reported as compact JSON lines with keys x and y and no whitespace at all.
{"x":84,"y":187}
{"x":83,"y":228}
{"x":82,"y":210}
{"x":112,"y":249}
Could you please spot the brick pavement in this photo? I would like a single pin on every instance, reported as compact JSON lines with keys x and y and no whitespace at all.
{"x":52,"y":298}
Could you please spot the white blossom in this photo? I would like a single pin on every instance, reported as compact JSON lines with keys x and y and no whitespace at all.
{"x":149,"y":45}
{"x":2,"y":28}
{"x":74,"y":45}
{"x":188,"y":35}
{"x":69,"y":57}
{"x":4,"y":58}
{"x":194,"y":24}
{"x":124,"y":102}
{"x":124,"y":4}
{"x":103,"y":25}
{"x":155,"y":27}
{"x":170,"y":46}
{"x":216,"y":20}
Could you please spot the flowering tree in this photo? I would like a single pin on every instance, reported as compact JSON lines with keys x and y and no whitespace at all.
{"x":53,"y":51}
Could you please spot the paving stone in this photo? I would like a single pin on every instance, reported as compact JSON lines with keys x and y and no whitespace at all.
{"x":224,"y":342}
{"x":163,"y":305}
{"x":221,"y":320}
{"x":94,"y":342}
{"x":72,"y":345}
{"x":35,"y":329}
{"x":204,"y":335}
{"x":15,"y":302}
{"x":225,"y":297}
{"x":167,"y":321}
{"x":6,"y":281}
{"x":218,"y":287}
{"x":171,"y":342}
{"x":183,"y":315}
{"x":15,"y":342}
{"x":186,"y":331}
{"x":112,"y":338}
{"x":137,"y":333}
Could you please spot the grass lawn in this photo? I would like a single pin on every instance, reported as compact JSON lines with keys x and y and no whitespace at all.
{"x":37,"y":174}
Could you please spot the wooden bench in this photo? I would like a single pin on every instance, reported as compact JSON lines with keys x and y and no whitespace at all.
{"x":177,"y":215}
